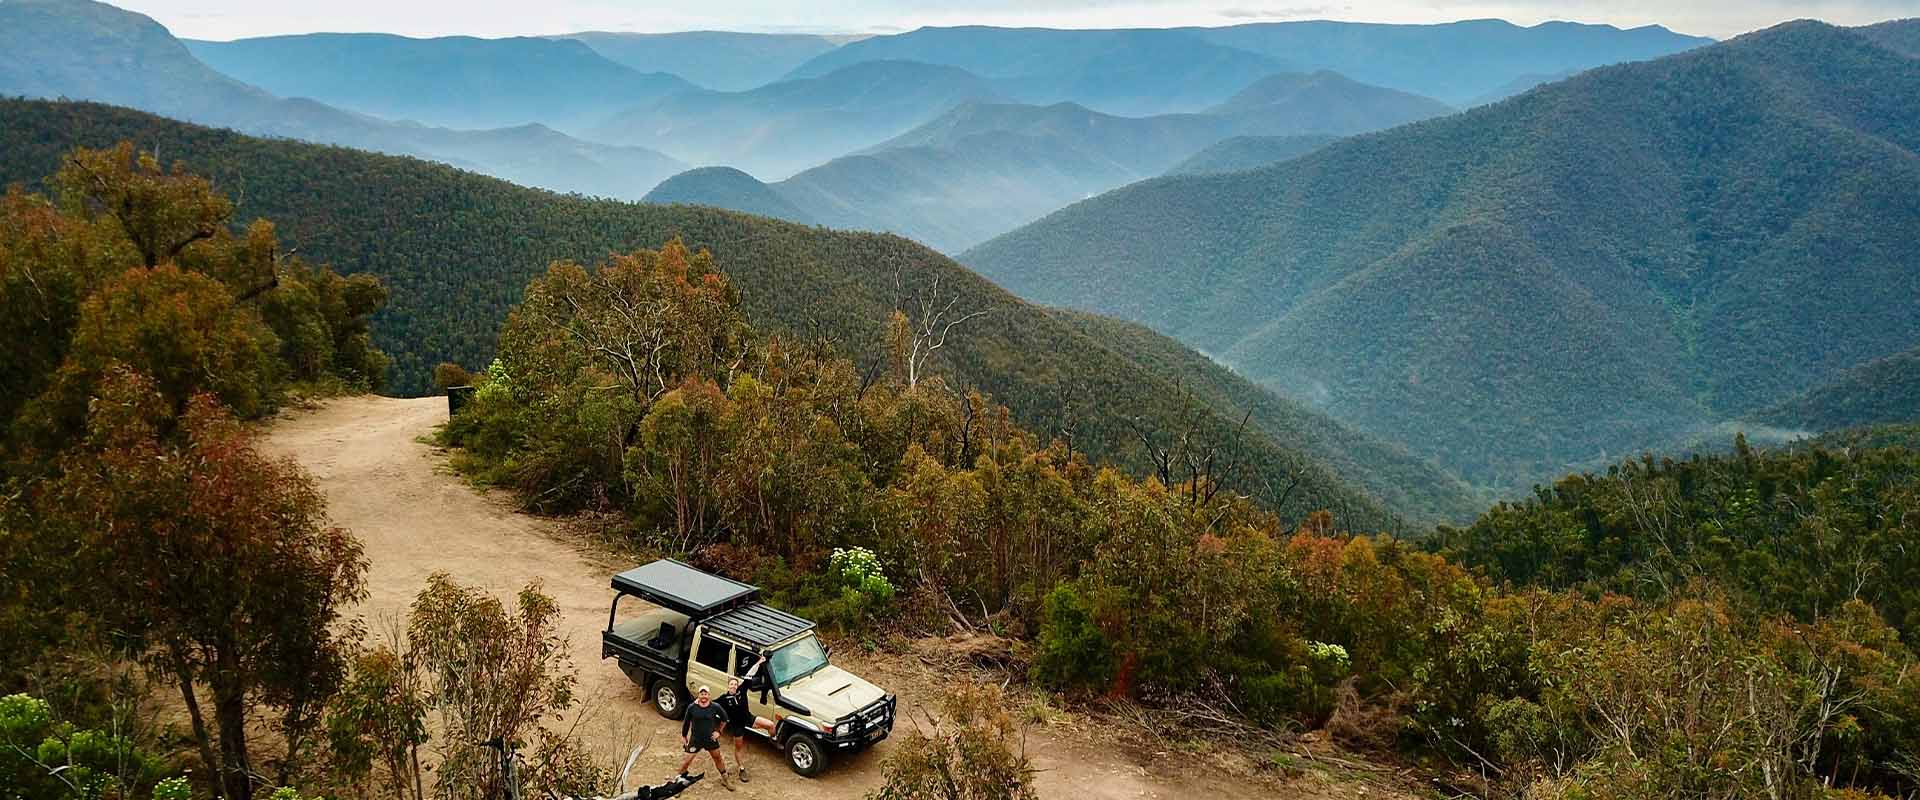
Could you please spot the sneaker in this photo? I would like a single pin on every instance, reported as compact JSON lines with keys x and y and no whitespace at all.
{"x":743,"y":774}
{"x":724,"y":784}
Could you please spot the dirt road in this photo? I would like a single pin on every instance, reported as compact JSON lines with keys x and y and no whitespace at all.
{"x":415,"y":518}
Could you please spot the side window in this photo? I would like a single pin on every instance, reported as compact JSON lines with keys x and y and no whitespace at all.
{"x":714,"y":653}
{"x":743,"y":660}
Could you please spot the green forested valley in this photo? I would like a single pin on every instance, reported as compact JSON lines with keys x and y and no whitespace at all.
{"x":1608,"y":263}
{"x":1563,"y":448}
{"x":454,"y":248}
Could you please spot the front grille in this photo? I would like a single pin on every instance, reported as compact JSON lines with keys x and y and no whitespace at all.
{"x":878,"y":714}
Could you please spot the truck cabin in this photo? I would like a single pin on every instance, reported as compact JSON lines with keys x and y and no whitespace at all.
{"x":729,"y":613}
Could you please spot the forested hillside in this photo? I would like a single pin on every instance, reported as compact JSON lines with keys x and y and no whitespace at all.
{"x":454,"y":81}
{"x":1387,"y":471}
{"x":728,"y":188}
{"x":1880,"y":391}
{"x":1596,"y":266}
{"x":982,"y":169}
{"x":456,"y":248}
{"x":1249,"y":152}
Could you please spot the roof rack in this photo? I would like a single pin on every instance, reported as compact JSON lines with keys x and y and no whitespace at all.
{"x":674,"y":585}
{"x":758,"y":624}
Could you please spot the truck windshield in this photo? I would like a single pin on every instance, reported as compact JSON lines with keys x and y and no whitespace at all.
{"x":798,"y":660}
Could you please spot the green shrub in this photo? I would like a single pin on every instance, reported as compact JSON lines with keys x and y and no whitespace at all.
{"x":1073,"y":654}
{"x":47,"y":759}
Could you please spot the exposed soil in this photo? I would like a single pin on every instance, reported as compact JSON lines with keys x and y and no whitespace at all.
{"x":416,"y":518}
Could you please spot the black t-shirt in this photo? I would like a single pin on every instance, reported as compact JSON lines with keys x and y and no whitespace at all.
{"x":735,"y":704}
{"x":702,"y":721}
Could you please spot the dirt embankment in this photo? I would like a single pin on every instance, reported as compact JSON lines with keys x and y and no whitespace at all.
{"x":416,"y":518}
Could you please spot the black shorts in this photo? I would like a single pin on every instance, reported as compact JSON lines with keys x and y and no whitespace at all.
{"x":737,"y":730}
{"x":710,"y":744}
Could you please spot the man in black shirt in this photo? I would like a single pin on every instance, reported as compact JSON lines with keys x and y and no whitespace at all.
{"x":740,"y":717}
{"x":700,"y":730}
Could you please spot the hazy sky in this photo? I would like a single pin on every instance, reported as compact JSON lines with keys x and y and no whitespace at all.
{"x":227,"y":19}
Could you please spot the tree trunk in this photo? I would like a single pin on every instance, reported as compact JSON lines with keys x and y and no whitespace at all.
{"x":230,"y":711}
{"x":200,"y":736}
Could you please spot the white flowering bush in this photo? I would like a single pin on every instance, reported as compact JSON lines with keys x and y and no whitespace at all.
{"x":859,"y":572}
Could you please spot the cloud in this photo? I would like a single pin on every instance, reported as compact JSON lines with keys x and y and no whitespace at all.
{"x":1279,"y":13}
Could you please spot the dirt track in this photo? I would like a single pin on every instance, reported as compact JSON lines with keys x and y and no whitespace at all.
{"x":415,"y":518}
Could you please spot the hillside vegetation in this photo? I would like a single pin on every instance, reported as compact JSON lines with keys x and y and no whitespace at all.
{"x":1249,"y":152}
{"x":454,"y":81}
{"x":454,"y":249}
{"x":1386,"y":471}
{"x":1724,"y":627}
{"x":1884,"y":390}
{"x":1596,"y":266}
{"x":982,"y":169}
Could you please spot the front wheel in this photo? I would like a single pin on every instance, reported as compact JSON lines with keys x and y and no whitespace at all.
{"x":805,"y":755}
{"x":668,"y":699}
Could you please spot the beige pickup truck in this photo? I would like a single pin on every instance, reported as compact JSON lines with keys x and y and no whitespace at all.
{"x":705,"y":629}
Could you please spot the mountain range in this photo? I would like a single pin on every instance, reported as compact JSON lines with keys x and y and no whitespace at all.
{"x":457,"y":249}
{"x":1139,"y":72}
{"x":455,"y":81}
{"x":776,"y":130}
{"x":720,"y":60}
{"x":81,"y":49}
{"x":986,"y":168}
{"x":1599,"y":265}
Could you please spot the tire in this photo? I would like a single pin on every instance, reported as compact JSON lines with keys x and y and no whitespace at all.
{"x":805,"y":755}
{"x":668,"y":699}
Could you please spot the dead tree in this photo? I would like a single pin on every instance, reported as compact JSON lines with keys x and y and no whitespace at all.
{"x":926,"y":330}
{"x":1194,"y":461}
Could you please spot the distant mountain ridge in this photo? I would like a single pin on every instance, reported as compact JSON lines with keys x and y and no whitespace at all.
{"x":781,"y":128}
{"x":86,"y":50}
{"x":454,"y":81}
{"x":719,"y":60}
{"x":1147,"y":71}
{"x":982,"y":169}
{"x":1133,"y":72}
{"x":1601,"y":264}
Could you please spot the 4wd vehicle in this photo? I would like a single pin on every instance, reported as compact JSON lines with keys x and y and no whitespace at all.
{"x":707,"y":629}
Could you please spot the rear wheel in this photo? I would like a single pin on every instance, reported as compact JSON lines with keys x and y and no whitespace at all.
{"x":805,"y":755}
{"x":668,"y":699}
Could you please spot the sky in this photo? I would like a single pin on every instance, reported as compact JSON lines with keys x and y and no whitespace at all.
{"x":230,"y":19}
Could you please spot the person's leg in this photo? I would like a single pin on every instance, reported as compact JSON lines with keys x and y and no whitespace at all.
{"x":763,"y":724}
{"x":687,"y":762}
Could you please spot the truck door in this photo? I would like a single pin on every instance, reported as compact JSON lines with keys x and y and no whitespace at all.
{"x":708,"y":667}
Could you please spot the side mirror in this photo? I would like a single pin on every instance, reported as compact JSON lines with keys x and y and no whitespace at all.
{"x":827,"y":650}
